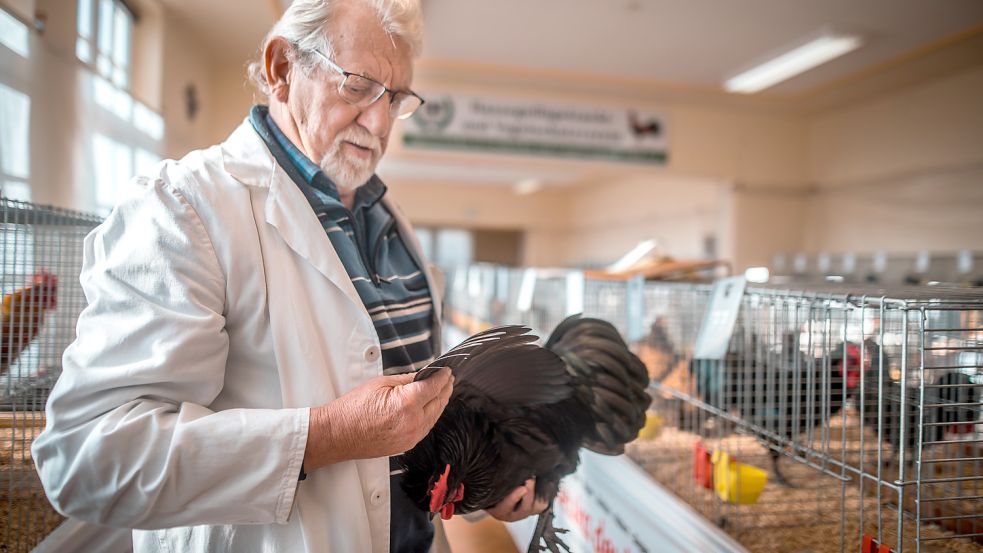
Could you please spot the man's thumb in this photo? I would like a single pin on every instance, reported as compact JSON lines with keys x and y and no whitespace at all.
{"x":430,"y":387}
{"x":400,"y":379}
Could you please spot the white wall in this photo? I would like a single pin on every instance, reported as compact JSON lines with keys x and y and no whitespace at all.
{"x":185,"y":64}
{"x":766,"y":221}
{"x":898,"y":172}
{"x":607,"y":220}
{"x":542,"y":216}
{"x":606,"y":208}
{"x":903,"y":172}
{"x":233,"y":97}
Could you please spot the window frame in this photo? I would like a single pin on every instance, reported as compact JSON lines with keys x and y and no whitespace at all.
{"x":17,"y":78}
{"x":98,"y":39}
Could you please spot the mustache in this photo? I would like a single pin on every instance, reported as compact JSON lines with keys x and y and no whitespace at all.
{"x":360,"y":137}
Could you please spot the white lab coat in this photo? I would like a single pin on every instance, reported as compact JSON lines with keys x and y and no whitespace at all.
{"x":218,"y":314}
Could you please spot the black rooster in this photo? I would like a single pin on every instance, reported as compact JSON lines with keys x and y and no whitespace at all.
{"x":771,"y":394}
{"x":519,"y":410}
{"x":951,"y":405}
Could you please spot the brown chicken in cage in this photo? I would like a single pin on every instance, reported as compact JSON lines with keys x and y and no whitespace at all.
{"x":24,"y":311}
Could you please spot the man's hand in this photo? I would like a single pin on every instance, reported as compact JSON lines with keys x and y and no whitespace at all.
{"x":519,"y":504}
{"x":384,"y":416}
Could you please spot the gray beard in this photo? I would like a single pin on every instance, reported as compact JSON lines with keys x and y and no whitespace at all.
{"x":344,"y":176}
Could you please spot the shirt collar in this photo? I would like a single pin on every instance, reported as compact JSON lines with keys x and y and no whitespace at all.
{"x":298,"y":165}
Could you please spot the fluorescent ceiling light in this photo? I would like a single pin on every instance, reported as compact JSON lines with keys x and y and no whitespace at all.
{"x":793,"y":62}
{"x":528,"y":186}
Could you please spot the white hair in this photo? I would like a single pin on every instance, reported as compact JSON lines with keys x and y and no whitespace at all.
{"x":305,"y":25}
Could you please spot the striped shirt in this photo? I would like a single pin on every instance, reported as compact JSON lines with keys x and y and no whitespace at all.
{"x":388,"y":281}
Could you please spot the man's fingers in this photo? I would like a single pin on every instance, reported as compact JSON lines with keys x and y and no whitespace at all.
{"x":435,"y":406}
{"x":529,"y":498}
{"x":530,"y":504}
{"x":447,"y":390}
{"x":514,"y":499}
{"x":521,"y":506}
{"x":509,"y":509}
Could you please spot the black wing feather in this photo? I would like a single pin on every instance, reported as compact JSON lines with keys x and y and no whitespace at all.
{"x":505,"y":365}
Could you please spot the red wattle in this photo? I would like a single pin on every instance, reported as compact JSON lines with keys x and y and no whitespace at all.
{"x":447,"y":512}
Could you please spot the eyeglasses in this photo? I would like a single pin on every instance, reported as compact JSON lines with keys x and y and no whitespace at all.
{"x":362,"y":91}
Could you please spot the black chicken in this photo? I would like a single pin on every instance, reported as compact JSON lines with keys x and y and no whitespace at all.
{"x":951,"y":405}
{"x":770,"y":393}
{"x":959,"y":397}
{"x":519,"y":410}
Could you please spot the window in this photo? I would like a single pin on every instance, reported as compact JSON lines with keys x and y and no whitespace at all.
{"x":446,"y":247}
{"x":14,"y":34}
{"x":105,"y":38}
{"x":122,"y":135}
{"x":125,"y":134}
{"x":454,"y":248}
{"x":425,"y":236}
{"x":15,"y":156}
{"x":114,"y":164}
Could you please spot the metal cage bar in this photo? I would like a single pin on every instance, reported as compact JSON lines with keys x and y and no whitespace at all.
{"x":40,"y":259}
{"x":865,"y":399}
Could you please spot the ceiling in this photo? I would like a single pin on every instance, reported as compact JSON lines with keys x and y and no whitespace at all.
{"x":691,"y":42}
{"x":231,"y":30}
{"x":695,"y":43}
{"x":689,"y":46}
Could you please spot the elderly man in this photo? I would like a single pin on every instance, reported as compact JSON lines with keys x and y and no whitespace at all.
{"x":240,"y":376}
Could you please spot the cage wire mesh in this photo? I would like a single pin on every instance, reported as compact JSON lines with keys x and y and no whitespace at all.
{"x":481,"y":296}
{"x":840,"y":418}
{"x":862,"y":411}
{"x":42,"y":298}
{"x":608,"y":300}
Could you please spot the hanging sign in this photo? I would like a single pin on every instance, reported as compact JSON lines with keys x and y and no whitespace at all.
{"x":508,"y":126}
{"x":610,"y":505}
{"x":719,"y":318}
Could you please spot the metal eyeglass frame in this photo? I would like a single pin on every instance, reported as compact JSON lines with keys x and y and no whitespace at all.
{"x":392,"y":93}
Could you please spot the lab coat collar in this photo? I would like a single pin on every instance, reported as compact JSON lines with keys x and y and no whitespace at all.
{"x":247,"y":158}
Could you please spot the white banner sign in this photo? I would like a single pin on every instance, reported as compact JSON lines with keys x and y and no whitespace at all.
{"x":494,"y":125}
{"x":611,"y":506}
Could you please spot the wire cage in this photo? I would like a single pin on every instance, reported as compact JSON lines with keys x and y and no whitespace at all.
{"x":42,"y":298}
{"x":839,"y":419}
{"x":848,"y":414}
{"x":963,"y":268}
{"x":484,"y":295}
